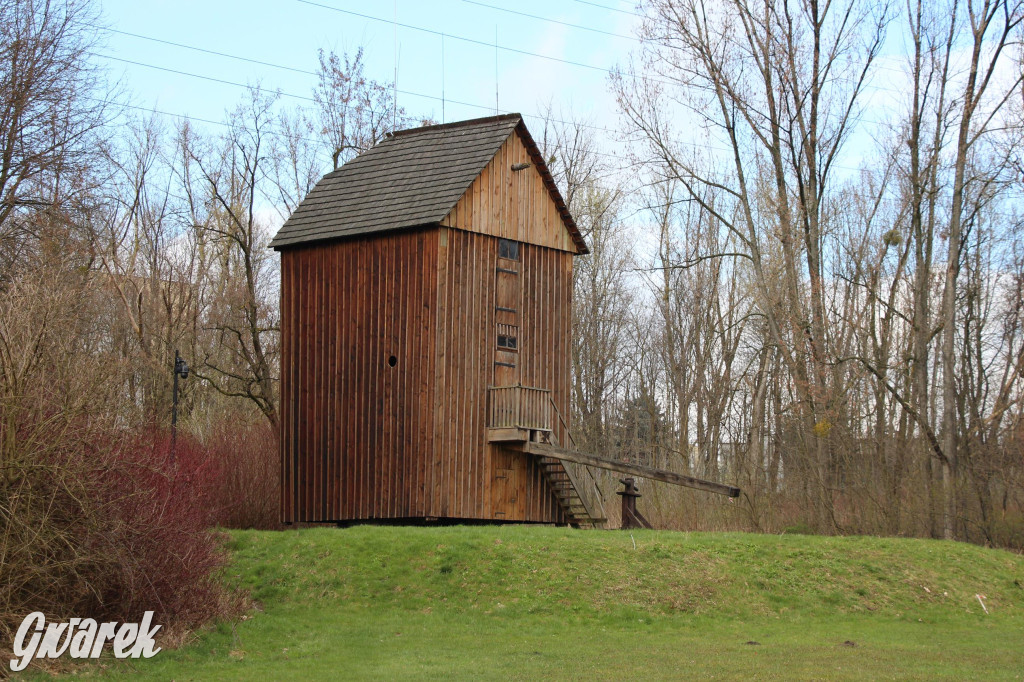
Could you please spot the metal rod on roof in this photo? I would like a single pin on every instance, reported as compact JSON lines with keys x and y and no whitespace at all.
{"x":394,"y":85}
{"x":495,"y":69}
{"x":442,"y":78}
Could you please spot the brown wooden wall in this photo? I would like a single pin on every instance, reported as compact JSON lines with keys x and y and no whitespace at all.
{"x":357,"y":434}
{"x":362,"y":440}
{"x":496,"y":483}
{"x":511,"y":204}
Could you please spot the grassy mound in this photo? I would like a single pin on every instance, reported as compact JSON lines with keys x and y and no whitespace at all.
{"x":529,"y":603}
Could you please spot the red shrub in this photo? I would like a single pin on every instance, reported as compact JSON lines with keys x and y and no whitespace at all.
{"x":160,"y":512}
{"x":104,"y":525}
{"x":248,"y":485}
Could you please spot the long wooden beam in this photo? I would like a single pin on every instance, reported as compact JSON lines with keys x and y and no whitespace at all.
{"x":545,"y":450}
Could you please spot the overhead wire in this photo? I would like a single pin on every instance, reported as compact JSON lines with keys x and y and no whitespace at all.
{"x":206,"y":51}
{"x":473,"y":41}
{"x":603,"y":129}
{"x":240,"y":58}
{"x":310,"y":99}
{"x":442,"y":99}
{"x":497,"y":46}
{"x":539,"y":117}
{"x":610,"y":9}
{"x":580,"y":27}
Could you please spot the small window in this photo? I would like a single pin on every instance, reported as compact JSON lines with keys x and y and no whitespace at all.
{"x":508,"y":337}
{"x":508,"y":249}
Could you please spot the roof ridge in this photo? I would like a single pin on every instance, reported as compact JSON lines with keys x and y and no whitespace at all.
{"x":456,"y":124}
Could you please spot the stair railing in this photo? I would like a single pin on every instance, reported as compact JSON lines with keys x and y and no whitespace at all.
{"x":580,"y":475}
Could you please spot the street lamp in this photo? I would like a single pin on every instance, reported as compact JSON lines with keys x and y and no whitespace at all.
{"x":180,"y":370}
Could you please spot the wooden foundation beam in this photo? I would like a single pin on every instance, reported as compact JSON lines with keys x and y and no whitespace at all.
{"x":545,"y":450}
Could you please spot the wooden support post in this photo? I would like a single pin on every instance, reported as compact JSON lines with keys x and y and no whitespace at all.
{"x":631,"y":518}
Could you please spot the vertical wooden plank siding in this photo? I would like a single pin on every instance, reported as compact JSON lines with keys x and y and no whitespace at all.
{"x":511,"y":204}
{"x":357,"y":433}
{"x":483,"y":480}
{"x":464,"y":352}
{"x":364,"y":440}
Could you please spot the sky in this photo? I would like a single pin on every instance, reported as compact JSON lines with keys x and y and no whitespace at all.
{"x":194,"y":58}
{"x":447,"y":65}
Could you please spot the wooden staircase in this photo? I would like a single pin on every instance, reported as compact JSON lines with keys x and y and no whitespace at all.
{"x":561,"y":484}
{"x":522,"y":417}
{"x":574,"y":486}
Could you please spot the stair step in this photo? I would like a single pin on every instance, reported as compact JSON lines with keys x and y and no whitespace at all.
{"x":568,"y":499}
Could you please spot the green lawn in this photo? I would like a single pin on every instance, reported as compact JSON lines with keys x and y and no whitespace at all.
{"x":531,"y":603}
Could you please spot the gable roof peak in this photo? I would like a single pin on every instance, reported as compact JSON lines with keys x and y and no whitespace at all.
{"x":411,"y":178}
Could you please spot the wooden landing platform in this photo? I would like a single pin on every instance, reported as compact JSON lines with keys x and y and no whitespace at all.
{"x":511,"y":434}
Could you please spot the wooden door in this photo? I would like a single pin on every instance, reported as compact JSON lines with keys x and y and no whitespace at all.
{"x":505,"y":341}
{"x":505,"y":486}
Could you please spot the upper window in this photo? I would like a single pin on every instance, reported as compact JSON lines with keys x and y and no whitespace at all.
{"x":508,"y":249}
{"x":508,"y":337}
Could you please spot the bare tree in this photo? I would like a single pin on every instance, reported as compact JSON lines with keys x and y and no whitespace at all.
{"x":225,"y":183}
{"x":355,"y":112}
{"x":993,"y":25}
{"x":296,"y":163}
{"x":52,"y":107}
{"x":601,"y":295}
{"x":779,"y":84}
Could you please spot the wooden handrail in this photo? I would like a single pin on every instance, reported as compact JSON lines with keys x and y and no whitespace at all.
{"x":520,"y":407}
{"x":592,"y":497}
{"x":634,"y":469}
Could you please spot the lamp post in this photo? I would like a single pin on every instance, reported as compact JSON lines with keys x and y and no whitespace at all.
{"x":180,"y":369}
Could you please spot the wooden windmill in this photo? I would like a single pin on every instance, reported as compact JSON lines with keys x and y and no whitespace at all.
{"x":426,"y":318}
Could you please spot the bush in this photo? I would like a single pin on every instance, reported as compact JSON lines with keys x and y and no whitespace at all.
{"x":161,"y":510}
{"x":247,"y":492}
{"x":107,"y":527}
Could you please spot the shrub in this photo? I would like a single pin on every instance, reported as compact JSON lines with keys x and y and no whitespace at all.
{"x":161,"y":550}
{"x":108,"y":526}
{"x":247,"y":491}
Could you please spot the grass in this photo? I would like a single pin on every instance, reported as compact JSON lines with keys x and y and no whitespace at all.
{"x":533,"y":603}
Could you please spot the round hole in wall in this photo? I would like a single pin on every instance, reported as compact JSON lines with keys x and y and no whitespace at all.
{"x":392,"y":361}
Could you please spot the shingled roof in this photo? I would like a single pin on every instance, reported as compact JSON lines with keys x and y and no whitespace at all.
{"x":412,"y":178}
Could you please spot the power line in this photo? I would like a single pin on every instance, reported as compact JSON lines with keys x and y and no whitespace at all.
{"x":616,"y":35}
{"x":552,"y":21}
{"x":189,"y":117}
{"x":495,"y":45}
{"x":289,"y":68}
{"x":413,"y":94}
{"x":473,"y":41}
{"x":612,"y":131}
{"x":207,"y":51}
{"x":310,"y":73}
{"x":611,"y":9}
{"x":310,"y":99}
{"x":441,"y":99}
{"x":279,"y":91}
{"x":194,"y":75}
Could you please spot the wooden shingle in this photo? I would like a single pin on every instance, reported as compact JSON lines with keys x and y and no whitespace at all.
{"x":413,"y":178}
